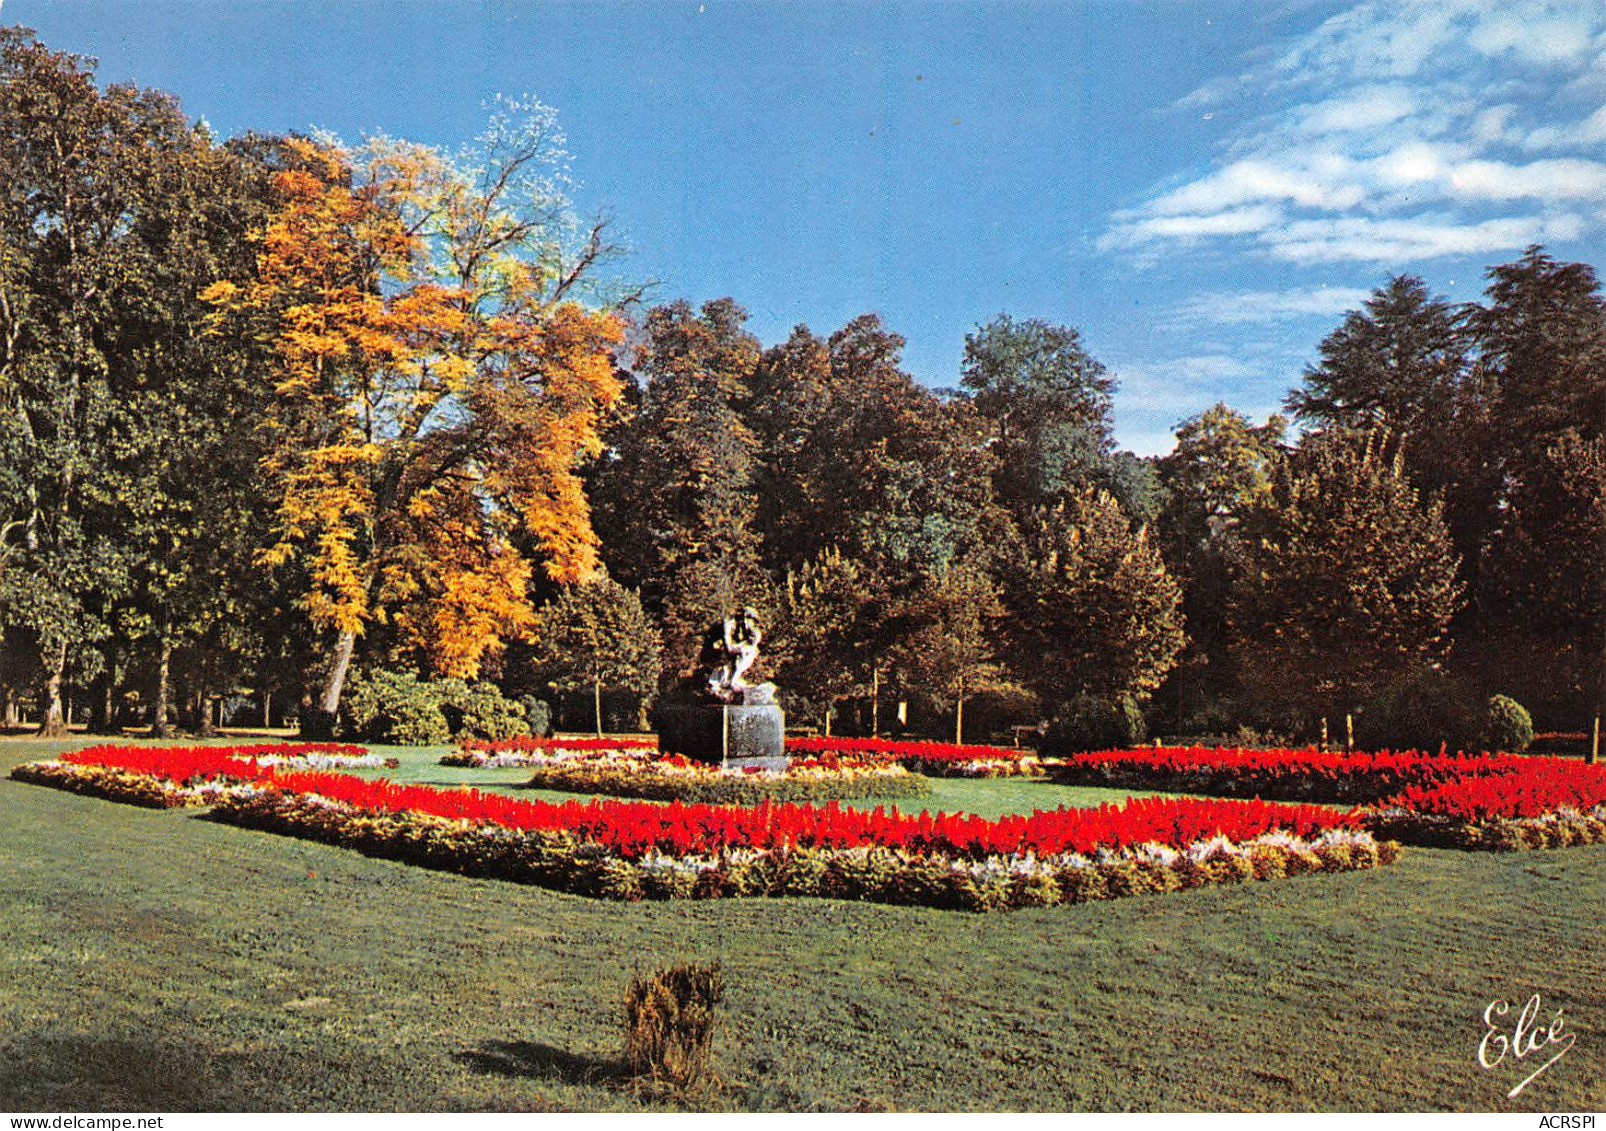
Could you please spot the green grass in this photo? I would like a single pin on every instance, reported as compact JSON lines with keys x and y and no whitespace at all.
{"x":985,"y":798}
{"x":154,"y":960}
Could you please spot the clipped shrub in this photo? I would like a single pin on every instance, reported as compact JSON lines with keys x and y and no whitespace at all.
{"x":1508,"y":727}
{"x":480,"y":710}
{"x":537,"y":715}
{"x":1090,"y":722}
{"x":397,"y":708}
{"x":1422,"y":710}
{"x":393,"y":708}
{"x":669,"y":1026}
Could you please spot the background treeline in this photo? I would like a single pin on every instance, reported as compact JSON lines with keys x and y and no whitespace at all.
{"x":369,"y":437}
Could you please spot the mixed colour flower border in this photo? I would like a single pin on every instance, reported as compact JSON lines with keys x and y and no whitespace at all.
{"x":639,"y":849}
{"x":1497,"y":802}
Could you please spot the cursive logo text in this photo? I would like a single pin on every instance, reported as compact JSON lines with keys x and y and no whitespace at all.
{"x":1526,"y":1038}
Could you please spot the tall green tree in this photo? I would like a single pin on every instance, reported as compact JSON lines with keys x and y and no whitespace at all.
{"x":676,"y":502}
{"x":1221,"y":466}
{"x":81,"y":228}
{"x":1542,"y":346}
{"x":1347,"y":580}
{"x":1405,"y":362}
{"x":1049,"y":404}
{"x":860,"y":456}
{"x":1542,"y":341}
{"x":1092,"y":606}
{"x":947,"y":640}
{"x":827,"y":632}
{"x":1545,"y":582}
{"x":1399,"y":362}
{"x":596,"y":637}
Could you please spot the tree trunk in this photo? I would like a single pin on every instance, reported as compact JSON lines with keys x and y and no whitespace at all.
{"x":828,"y":722}
{"x":164,"y":692}
{"x":53,"y":723}
{"x":267,"y":709}
{"x":596,"y":690}
{"x":12,"y":716}
{"x":103,"y":705}
{"x":959,"y":714}
{"x":203,"y":708}
{"x":321,"y":721}
{"x":875,"y":702}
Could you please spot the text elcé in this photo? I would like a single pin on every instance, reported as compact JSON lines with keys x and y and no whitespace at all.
{"x":1526,"y":1038}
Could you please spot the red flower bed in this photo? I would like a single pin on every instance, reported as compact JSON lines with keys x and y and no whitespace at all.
{"x":1496,"y":802}
{"x":1522,"y":788}
{"x":182,"y":763}
{"x":632,"y":827}
{"x":633,"y":849}
{"x":1304,"y":775}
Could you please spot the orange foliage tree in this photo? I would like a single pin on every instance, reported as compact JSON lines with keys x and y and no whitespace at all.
{"x":437,"y":382}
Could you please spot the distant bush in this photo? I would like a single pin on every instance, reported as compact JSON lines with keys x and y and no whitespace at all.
{"x":1421,"y":710}
{"x":1090,"y":722}
{"x":537,"y":715}
{"x":480,"y":710}
{"x":1507,"y":726}
{"x":1247,"y":737}
{"x":1212,"y":717}
{"x":397,"y":708}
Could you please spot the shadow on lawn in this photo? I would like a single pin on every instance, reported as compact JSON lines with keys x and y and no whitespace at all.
{"x":542,"y":1062}
{"x":113,"y":1072}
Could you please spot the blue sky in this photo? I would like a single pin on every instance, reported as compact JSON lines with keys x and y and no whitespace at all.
{"x":1202,"y":188}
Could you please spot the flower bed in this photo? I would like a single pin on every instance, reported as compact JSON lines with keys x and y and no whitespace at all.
{"x":675,"y":778}
{"x":1531,"y":803}
{"x":1287,"y":775}
{"x":526,"y":751}
{"x":635,"y":849}
{"x":933,"y":759}
{"x":1495,"y":802}
{"x":170,"y":777}
{"x":157,"y":777}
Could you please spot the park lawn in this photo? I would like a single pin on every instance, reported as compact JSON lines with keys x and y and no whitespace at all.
{"x":986,"y":798}
{"x":156,"y":961}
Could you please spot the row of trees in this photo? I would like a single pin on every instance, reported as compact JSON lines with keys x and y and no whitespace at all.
{"x":275,"y":409}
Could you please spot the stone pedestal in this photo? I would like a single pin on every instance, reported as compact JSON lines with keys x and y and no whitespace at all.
{"x":734,"y":737}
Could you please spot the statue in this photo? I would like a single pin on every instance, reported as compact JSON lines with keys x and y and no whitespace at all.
{"x":730,"y":647}
{"x":715,"y":715}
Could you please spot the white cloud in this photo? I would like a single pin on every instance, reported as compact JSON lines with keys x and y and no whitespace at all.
{"x":1534,"y":34}
{"x":1365,"y":42}
{"x":1232,"y":222}
{"x":1401,"y":241}
{"x":1566,"y":179}
{"x":1253,"y":307}
{"x":1147,"y":441}
{"x":1589,"y":132}
{"x":1178,"y":384}
{"x":1401,"y":136}
{"x":1362,"y":109}
{"x":1412,"y":164}
{"x":1317,"y":181}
